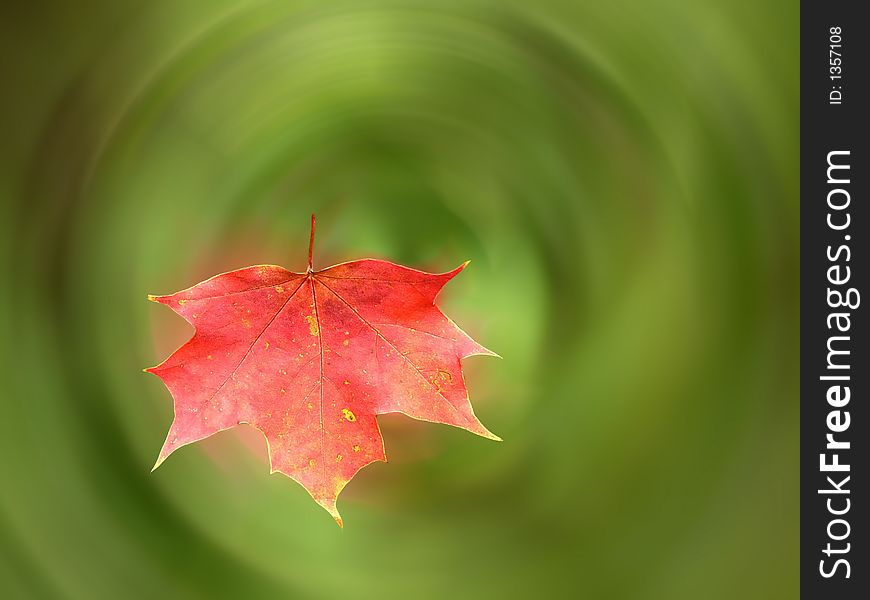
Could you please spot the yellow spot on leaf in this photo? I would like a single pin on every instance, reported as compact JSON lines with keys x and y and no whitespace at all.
{"x":310,"y":405}
{"x":441,"y":376}
{"x":356,"y":448}
{"x":182,"y":302}
{"x":346,"y":382}
{"x":338,"y":458}
{"x":348,"y":414}
{"x":311,"y":462}
{"x":246,"y":323}
{"x":209,"y":357}
{"x":279,"y":289}
{"x":312,"y":325}
{"x":345,"y":342}
{"x":266,"y":344}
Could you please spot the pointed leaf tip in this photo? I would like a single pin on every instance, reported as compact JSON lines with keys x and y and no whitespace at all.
{"x":486,"y":433}
{"x":451,"y":274}
{"x":328,"y":504}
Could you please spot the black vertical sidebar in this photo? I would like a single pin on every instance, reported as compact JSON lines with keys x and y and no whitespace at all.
{"x":835,"y":225}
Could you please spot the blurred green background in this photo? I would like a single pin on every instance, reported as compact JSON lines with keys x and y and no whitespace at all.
{"x":622,"y":175}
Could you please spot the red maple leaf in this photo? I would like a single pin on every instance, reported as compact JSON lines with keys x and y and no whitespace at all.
{"x":310,"y":359}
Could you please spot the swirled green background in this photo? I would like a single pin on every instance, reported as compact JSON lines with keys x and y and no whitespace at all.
{"x":623,"y":176}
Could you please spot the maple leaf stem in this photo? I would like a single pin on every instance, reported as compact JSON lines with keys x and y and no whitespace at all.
{"x":311,"y":245}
